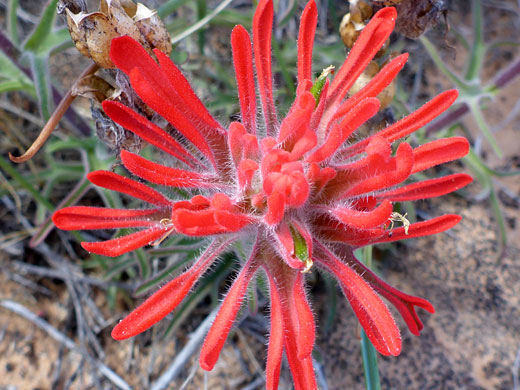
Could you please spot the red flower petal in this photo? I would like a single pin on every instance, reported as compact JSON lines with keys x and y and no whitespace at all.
{"x":159,"y":174}
{"x":359,"y":114}
{"x":243,"y":62}
{"x":227,"y":313}
{"x":428,"y":188}
{"x":408,"y":124}
{"x":438,"y":152}
{"x":306,"y":33}
{"x":379,"y":180}
{"x":364,"y":219}
{"x":121,"y":245}
{"x":166,"y":299}
{"x":372,"y":313}
{"x":275,"y":208}
{"x":298,"y":323}
{"x":403,"y":302}
{"x":124,"y":185}
{"x":148,"y":131}
{"x":88,"y":218}
{"x":420,"y":229}
{"x":187,"y":97}
{"x":241,"y":143}
{"x":380,"y":81}
{"x":371,"y":39}
{"x":276,"y":338}
{"x":208,"y":221}
{"x":155,"y":88}
{"x":262,"y":30}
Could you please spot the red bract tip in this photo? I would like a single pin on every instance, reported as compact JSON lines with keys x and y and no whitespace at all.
{"x":297,"y":187}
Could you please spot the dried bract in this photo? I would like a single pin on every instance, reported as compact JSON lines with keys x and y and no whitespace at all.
{"x":93,"y":32}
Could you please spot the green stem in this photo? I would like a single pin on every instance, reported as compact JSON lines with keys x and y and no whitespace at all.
{"x":481,"y":122}
{"x":368,"y":352}
{"x":436,"y":58}
{"x":370,"y":363}
{"x":12,"y":22}
{"x":478,"y":49}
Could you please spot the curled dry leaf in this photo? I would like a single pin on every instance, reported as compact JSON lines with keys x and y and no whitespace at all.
{"x":93,"y":32}
{"x":93,"y":88}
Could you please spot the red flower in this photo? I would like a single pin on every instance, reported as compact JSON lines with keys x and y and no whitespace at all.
{"x":297,"y":185}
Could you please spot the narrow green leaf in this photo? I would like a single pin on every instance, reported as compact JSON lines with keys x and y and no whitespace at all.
{"x":43,"y":29}
{"x":14,"y":85}
{"x":11,"y":72}
{"x":478,"y":48}
{"x":144,"y":264}
{"x":40,"y":71}
{"x":435,"y":56}
{"x":56,"y":41}
{"x":369,"y":354}
{"x":202,"y":10}
{"x":289,"y":13}
{"x":12,"y":22}
{"x":499,"y":215}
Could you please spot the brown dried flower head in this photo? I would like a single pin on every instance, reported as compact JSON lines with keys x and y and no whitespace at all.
{"x":93,"y":32}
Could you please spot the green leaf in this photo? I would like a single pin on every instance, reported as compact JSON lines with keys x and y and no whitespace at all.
{"x":435,"y":56}
{"x":202,"y":10}
{"x":369,"y":354}
{"x":144,"y":264}
{"x":9,"y":71}
{"x":56,"y":41}
{"x":14,"y":85}
{"x":36,"y":40}
{"x":300,"y":246}
{"x":40,"y":71}
{"x":478,"y":48}
{"x":318,"y":85}
{"x":12,"y":22}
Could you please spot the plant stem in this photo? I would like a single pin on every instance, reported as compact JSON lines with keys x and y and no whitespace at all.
{"x":368,"y":352}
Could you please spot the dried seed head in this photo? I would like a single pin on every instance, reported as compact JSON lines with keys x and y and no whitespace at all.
{"x":349,"y":30}
{"x":93,"y":32}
